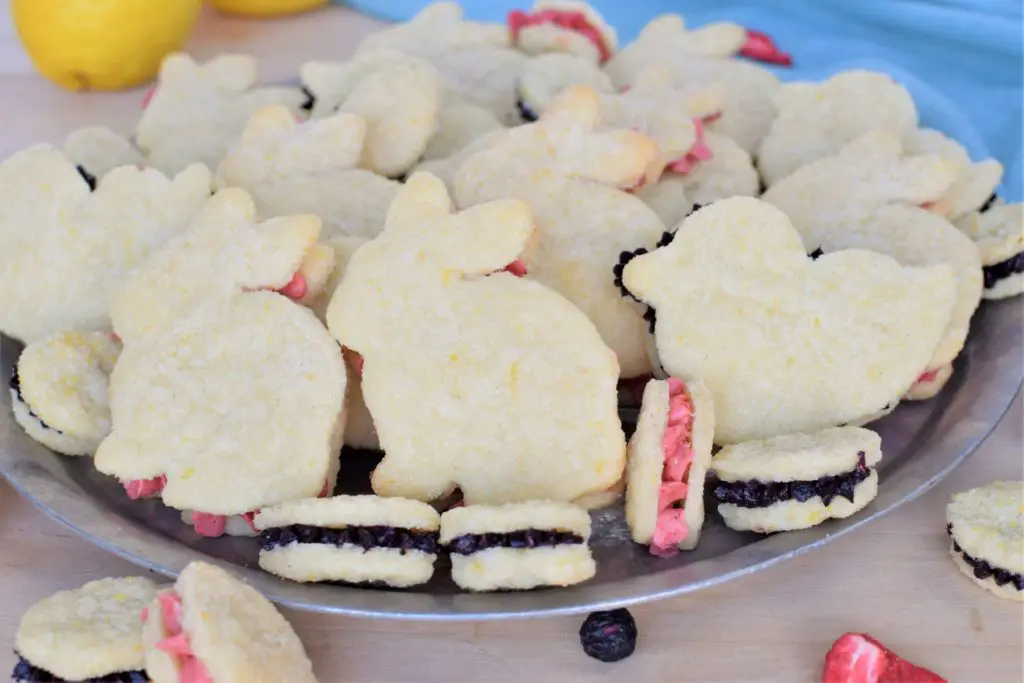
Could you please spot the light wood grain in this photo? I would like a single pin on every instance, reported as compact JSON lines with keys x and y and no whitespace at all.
{"x":894,"y":579}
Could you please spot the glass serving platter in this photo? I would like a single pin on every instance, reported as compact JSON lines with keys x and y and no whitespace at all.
{"x":922,"y":443}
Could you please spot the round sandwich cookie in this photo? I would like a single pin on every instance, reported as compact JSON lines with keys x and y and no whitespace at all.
{"x":986,"y":537}
{"x":212,"y":628}
{"x":59,"y":390}
{"x":998,"y":230}
{"x":518,"y":546}
{"x":88,"y":635}
{"x":354,"y":539}
{"x":796,"y":481}
{"x":668,"y":459}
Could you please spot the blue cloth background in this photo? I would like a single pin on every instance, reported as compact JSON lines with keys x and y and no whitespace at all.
{"x":960,"y":59}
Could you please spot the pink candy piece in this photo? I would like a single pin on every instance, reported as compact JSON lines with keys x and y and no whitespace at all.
{"x":296,"y":287}
{"x":170,"y":608}
{"x":148,"y":97}
{"x":517,"y":268}
{"x":928,"y":376}
{"x":210,"y":526}
{"x":145,"y":488}
{"x":761,"y":47}
{"x":567,"y":19}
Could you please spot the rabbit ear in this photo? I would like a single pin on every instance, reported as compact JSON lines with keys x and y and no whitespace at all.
{"x":620,"y":158}
{"x":875,"y":148}
{"x":723,"y":39}
{"x":579,"y":104}
{"x":178,"y":66}
{"x":486,"y":238}
{"x":422,"y":199}
{"x":268,"y":123}
{"x":331,"y":143}
{"x":923,"y":179}
{"x":234,"y":73}
{"x":665,"y":27}
{"x":654,"y":76}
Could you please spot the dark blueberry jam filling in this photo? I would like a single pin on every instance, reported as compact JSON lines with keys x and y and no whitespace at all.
{"x":816,"y":254}
{"x":989,"y":203}
{"x":526,"y":538}
{"x":1002,"y":270}
{"x":23,"y":671}
{"x":401,"y":178}
{"x":366,"y":537}
{"x":983,"y":570}
{"x":90,"y":179}
{"x":756,"y":494}
{"x":307,"y":105}
{"x":15,"y":385}
{"x":527,"y":114}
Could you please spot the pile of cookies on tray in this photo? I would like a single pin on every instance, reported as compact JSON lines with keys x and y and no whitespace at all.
{"x":457,"y":247}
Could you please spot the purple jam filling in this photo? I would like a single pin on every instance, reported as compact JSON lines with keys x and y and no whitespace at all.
{"x":526,"y":538}
{"x":366,"y":537}
{"x":89,"y":178}
{"x":527,"y":114}
{"x":26,"y":673}
{"x":15,"y":385}
{"x":1002,"y":270}
{"x":756,"y":494}
{"x":983,"y":570}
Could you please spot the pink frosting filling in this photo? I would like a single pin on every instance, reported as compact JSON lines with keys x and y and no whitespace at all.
{"x":567,"y":19}
{"x":148,"y":97}
{"x":759,"y":46}
{"x":517,"y":268}
{"x":176,"y":644}
{"x":698,"y":153}
{"x":145,"y":488}
{"x":677,"y":448}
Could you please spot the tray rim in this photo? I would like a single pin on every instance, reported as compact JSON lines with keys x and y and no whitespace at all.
{"x":60,"y":499}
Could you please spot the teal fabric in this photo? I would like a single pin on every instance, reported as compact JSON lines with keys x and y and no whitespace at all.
{"x":960,"y":59}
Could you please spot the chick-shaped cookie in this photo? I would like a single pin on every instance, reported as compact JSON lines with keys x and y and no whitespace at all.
{"x":719,"y":40}
{"x":574,"y":176}
{"x":230,"y":392}
{"x":97,"y":150}
{"x":563,"y":26}
{"x":67,"y":247}
{"x":976,"y":182}
{"x":476,"y":60}
{"x":59,"y":390}
{"x":475,"y":378}
{"x":312,"y":167}
{"x":816,"y":120}
{"x":999,"y":233}
{"x":916,"y":237}
{"x":783,"y":342}
{"x":397,"y":95}
{"x":748,"y":109}
{"x":197,"y":111}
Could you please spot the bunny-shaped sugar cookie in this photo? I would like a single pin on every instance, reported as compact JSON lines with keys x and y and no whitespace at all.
{"x":312,"y":167}
{"x":228,"y":394}
{"x":748,"y":109}
{"x":786,"y":343}
{"x":475,"y":378}
{"x":198,"y":110}
{"x":66,"y":247}
{"x":816,"y":120}
{"x":476,"y":60}
{"x":565,"y":27}
{"x":574,"y":175}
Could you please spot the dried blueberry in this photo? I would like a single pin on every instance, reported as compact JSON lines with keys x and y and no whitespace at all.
{"x":527,"y":114}
{"x":816,"y":254}
{"x":609,"y":636}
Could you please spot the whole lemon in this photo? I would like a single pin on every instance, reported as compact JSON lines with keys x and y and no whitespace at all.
{"x":266,"y":8}
{"x":102,"y":44}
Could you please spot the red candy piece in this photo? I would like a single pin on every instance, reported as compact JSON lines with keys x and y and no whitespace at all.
{"x":296,"y":287}
{"x":250,"y":519}
{"x":145,"y":488}
{"x":567,"y":19}
{"x":209,"y":526}
{"x":762,"y":48}
{"x":859,"y":658}
{"x":517,"y":268}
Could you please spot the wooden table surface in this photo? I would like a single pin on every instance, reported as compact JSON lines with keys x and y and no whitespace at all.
{"x":893,"y":579}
